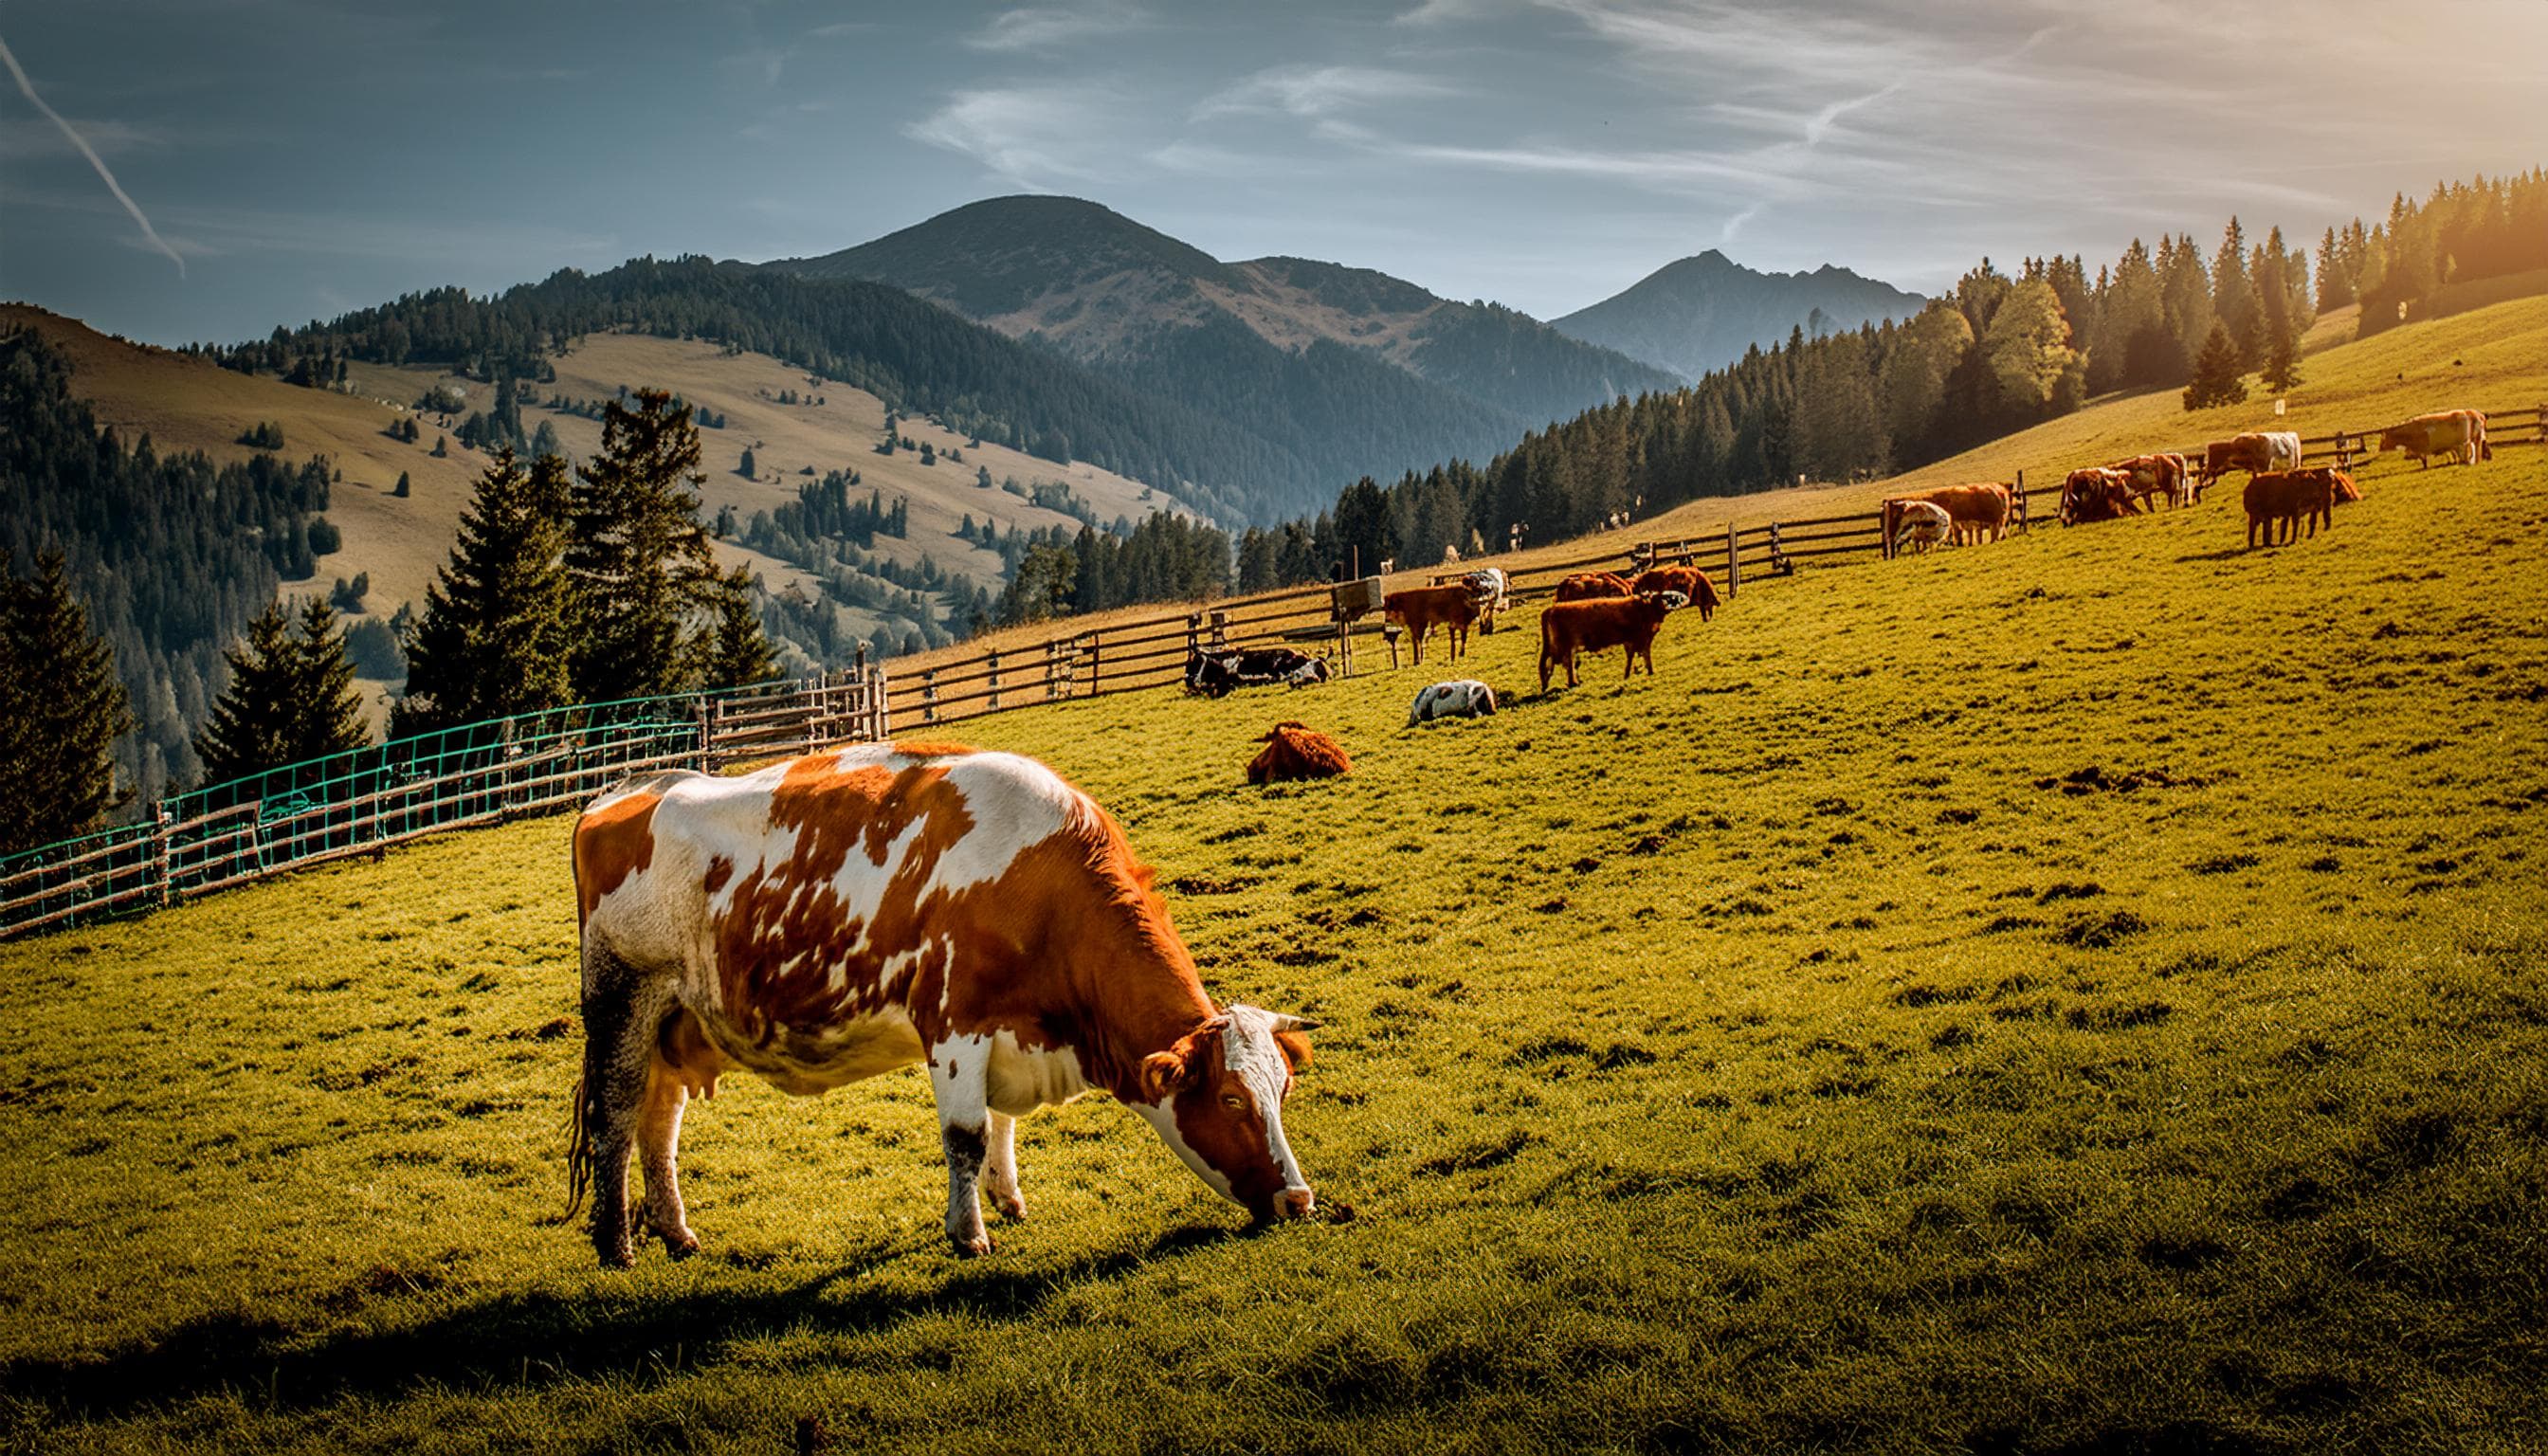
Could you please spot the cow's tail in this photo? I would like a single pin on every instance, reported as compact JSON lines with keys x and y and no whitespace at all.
{"x":579,"y":1154}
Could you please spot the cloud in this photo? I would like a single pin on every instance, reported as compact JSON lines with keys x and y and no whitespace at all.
{"x":29,"y":88}
{"x":1442,"y":12}
{"x":1027,"y":135}
{"x":1735,"y":223}
{"x":1049,"y":27}
{"x":1322,"y":90}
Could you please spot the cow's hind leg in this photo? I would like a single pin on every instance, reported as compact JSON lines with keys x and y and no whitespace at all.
{"x":959,"y":1071}
{"x":1003,"y":1168}
{"x":659,"y":1140}
{"x":622,"y":1007}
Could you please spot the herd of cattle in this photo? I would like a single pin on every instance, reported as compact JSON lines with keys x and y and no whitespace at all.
{"x":880,"y":905}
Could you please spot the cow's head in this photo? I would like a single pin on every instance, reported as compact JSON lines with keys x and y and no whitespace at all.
{"x":1217,"y":1099}
{"x":1668,"y":601}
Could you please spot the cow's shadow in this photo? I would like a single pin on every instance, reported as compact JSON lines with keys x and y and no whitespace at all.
{"x":2226,"y":553}
{"x":534,"y":1339}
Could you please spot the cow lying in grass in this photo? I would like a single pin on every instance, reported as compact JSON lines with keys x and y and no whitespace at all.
{"x":1465,"y":699}
{"x":1217,"y":674}
{"x":1687,"y":579}
{"x":1630,"y":622}
{"x":1295,"y":751}
{"x":2277,"y":499}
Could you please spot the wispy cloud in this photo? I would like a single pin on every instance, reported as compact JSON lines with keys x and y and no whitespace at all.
{"x":1031,"y":136}
{"x":29,"y":88}
{"x":1443,"y":12}
{"x":1049,"y":27}
{"x":1323,"y":90}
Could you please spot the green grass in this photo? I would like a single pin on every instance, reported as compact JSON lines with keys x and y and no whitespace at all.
{"x":2089,"y":993}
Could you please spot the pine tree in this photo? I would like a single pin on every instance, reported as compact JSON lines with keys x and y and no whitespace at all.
{"x":288,"y":700}
{"x":403,"y":490}
{"x":749,"y":468}
{"x":736,"y":653}
{"x":62,"y":709}
{"x":638,"y":562}
{"x":492,"y":640}
{"x":327,"y":717}
{"x":2217,"y":373}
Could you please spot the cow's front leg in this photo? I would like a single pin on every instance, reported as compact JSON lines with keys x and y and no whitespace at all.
{"x":960,"y":1069}
{"x":1003,"y":1168}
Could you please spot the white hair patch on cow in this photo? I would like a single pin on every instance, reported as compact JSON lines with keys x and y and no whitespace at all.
{"x":1248,"y":1049}
{"x":1465,"y":698}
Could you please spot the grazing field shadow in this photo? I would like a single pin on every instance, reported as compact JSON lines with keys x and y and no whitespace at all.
{"x":2226,"y":553}
{"x":530,"y":1340}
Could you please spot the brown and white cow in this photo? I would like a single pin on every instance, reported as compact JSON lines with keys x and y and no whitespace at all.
{"x":1422,"y":608}
{"x":2095,"y":495}
{"x":863,"y":909}
{"x":1684,"y":579}
{"x":2262,"y":450}
{"x":2459,"y":434}
{"x":1594,"y":587}
{"x":2164,"y":476}
{"x":1980,"y":512}
{"x":1570,"y":627}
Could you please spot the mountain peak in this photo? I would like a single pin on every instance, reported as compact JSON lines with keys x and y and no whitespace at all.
{"x":1701,"y":312}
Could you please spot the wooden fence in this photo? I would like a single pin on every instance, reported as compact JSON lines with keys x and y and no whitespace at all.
{"x":366,"y":801}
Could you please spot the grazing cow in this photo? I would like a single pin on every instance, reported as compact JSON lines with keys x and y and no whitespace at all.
{"x":1422,"y":608}
{"x":1569,"y":628}
{"x":1465,"y":699}
{"x":1692,"y":583}
{"x":1217,"y":674}
{"x":2089,"y":495}
{"x":2457,"y":433}
{"x":2277,"y":499}
{"x":1297,"y":751}
{"x":2278,"y":449}
{"x":867,"y":908}
{"x":1594,"y":587}
{"x":1922,"y":525}
{"x":2163,"y":476}
{"x":1487,"y":587}
{"x":1977,"y":511}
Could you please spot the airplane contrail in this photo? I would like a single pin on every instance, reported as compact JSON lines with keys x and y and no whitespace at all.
{"x":86,"y":151}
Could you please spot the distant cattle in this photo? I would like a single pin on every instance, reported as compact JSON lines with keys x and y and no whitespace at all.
{"x":1215,"y":673}
{"x":1422,"y":608}
{"x":862,"y":909}
{"x":2278,"y":500}
{"x":1976,"y":512}
{"x":1594,"y":586}
{"x":1597,"y":625}
{"x":2273,"y":449}
{"x":1920,"y":524}
{"x":2164,"y":476}
{"x":2096,"y":495}
{"x":1465,"y":699}
{"x":1296,"y":751}
{"x":2459,"y":434}
{"x":1692,"y":583}
{"x":1487,"y":587}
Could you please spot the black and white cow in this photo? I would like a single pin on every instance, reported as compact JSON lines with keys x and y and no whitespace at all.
{"x":1487,"y":587}
{"x":1215,"y":673}
{"x":1466,"y":697}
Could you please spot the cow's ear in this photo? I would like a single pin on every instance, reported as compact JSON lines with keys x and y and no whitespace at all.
{"x":1296,"y":1048}
{"x":1164,"y":1074}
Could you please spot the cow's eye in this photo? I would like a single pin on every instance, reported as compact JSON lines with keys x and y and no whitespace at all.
{"x":1235,"y":1102}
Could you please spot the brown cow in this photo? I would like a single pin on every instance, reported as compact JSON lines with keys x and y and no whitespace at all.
{"x":1980,"y":511}
{"x":2254,"y":452}
{"x":2457,"y":433}
{"x":1422,"y":608}
{"x":843,"y":914}
{"x":2277,"y":499}
{"x":2090,"y":496}
{"x":1570,"y":627}
{"x":1295,"y":751}
{"x":2163,"y":476}
{"x":1689,"y":580}
{"x":1594,"y":587}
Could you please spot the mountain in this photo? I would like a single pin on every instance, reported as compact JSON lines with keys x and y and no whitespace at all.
{"x":1700,"y":314}
{"x":1354,"y":371}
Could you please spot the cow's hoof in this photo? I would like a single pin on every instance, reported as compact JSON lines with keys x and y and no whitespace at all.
{"x":1012,"y":1210}
{"x":682,"y":1248}
{"x":621,"y":1257}
{"x":971,"y":1249}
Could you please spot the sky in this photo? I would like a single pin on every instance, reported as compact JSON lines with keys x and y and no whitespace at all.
{"x":292,"y":159}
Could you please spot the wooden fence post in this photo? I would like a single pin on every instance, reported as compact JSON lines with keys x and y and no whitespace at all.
{"x":162,"y":853}
{"x":929,"y":695}
{"x":1096,"y":663}
{"x":1777,"y":553}
{"x":1194,"y":633}
{"x":879,"y":707}
{"x":995,"y":682}
{"x":1220,"y":630}
{"x":1733,"y":560}
{"x":2025,"y":516}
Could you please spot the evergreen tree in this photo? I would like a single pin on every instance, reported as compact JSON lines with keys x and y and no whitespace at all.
{"x":638,"y":562}
{"x":544,"y":441}
{"x":249,"y":729}
{"x":736,"y":653}
{"x":62,"y":709}
{"x":403,"y":490}
{"x":2283,"y":365}
{"x":749,"y":468}
{"x":329,"y":712}
{"x":2217,"y":372}
{"x":492,"y":640}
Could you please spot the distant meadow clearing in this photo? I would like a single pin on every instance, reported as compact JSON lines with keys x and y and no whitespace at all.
{"x":2087,"y":993}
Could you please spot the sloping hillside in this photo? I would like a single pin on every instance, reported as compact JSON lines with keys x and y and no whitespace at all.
{"x":1702,"y":312}
{"x":1358,"y":371}
{"x":2081,"y":995}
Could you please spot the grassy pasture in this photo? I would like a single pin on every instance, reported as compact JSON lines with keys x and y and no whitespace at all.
{"x":2085,"y":994}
